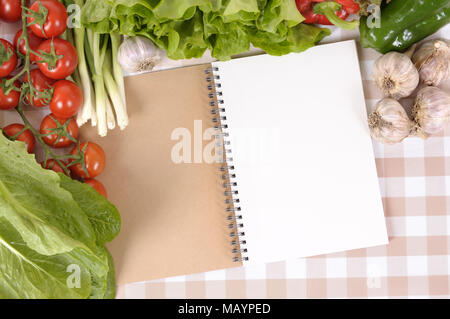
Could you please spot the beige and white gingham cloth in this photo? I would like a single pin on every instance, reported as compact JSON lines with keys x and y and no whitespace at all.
{"x":415,"y":182}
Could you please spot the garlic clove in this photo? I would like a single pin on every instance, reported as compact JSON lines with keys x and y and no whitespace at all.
{"x":139,"y":54}
{"x":433,"y":62}
{"x":389,"y":123}
{"x":395,"y":75}
{"x":431,"y":110}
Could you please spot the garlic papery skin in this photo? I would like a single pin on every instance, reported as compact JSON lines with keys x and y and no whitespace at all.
{"x":389,"y":123}
{"x":433,"y":62}
{"x":138,"y":54}
{"x":395,"y":75}
{"x":431,"y":110}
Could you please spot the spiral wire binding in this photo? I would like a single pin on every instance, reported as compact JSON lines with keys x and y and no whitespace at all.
{"x":234,"y":219}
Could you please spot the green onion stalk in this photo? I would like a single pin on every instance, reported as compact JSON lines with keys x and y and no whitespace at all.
{"x":99,"y":85}
{"x":100,"y":76}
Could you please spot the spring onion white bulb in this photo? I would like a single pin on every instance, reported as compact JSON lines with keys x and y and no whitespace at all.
{"x":138,"y":54}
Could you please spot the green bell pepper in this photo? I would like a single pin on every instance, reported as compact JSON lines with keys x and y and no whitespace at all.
{"x":405,"y":22}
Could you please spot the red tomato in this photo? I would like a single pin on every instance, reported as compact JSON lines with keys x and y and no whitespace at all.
{"x":33,"y":40}
{"x":10,"y":10}
{"x":65,"y":66}
{"x":94,"y":159}
{"x":67,"y":99}
{"x":27,"y":137}
{"x":11,"y":100}
{"x":56,"y":22}
{"x":9,"y":65}
{"x":54,"y":166}
{"x":99,"y":187}
{"x":41,"y":83}
{"x":49,"y":123}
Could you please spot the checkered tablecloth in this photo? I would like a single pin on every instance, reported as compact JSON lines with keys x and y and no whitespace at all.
{"x":415,"y":182}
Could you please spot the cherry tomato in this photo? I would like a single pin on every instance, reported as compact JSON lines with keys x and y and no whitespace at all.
{"x":11,"y":100}
{"x":33,"y":40}
{"x":65,"y":66}
{"x":41,"y":83}
{"x":54,"y":166}
{"x":94,"y":159}
{"x":99,"y":187}
{"x":56,"y":22}
{"x":9,"y":65}
{"x":49,"y":123}
{"x":10,"y":10}
{"x":67,"y":99}
{"x":27,"y":137}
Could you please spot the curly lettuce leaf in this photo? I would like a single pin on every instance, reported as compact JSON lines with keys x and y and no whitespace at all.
{"x":297,"y":39}
{"x":218,"y":34}
{"x":176,"y":9}
{"x":187,"y":28}
{"x":277,"y":12}
{"x":233,"y":7}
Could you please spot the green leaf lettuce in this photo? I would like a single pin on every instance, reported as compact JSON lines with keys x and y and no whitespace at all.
{"x":187,"y":28}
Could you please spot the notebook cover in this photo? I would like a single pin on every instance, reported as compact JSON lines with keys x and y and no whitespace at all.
{"x":174,"y":215}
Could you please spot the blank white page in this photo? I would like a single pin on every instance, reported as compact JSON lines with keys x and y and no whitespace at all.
{"x":303,"y":156}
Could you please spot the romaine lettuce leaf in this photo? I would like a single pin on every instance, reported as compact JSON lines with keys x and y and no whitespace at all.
{"x":110,"y":292}
{"x":25,"y":273}
{"x":49,"y":223}
{"x":103,"y":216}
{"x":31,"y":199}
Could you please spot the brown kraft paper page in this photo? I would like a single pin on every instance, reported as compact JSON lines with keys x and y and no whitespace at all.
{"x":174,"y":218}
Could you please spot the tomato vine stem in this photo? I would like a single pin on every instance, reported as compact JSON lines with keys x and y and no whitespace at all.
{"x":31,"y":90}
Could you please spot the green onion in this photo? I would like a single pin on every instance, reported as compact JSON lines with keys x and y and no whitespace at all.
{"x":100,"y":76}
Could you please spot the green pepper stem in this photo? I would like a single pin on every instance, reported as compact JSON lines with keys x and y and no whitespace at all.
{"x":329,"y":9}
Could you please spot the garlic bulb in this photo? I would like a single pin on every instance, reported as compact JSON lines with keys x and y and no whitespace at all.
{"x":433,"y":62}
{"x":389,"y":123}
{"x":395,"y":75}
{"x":138,"y":54}
{"x":431,"y":110}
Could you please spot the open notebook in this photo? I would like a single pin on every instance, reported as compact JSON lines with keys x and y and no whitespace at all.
{"x":299,"y":177}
